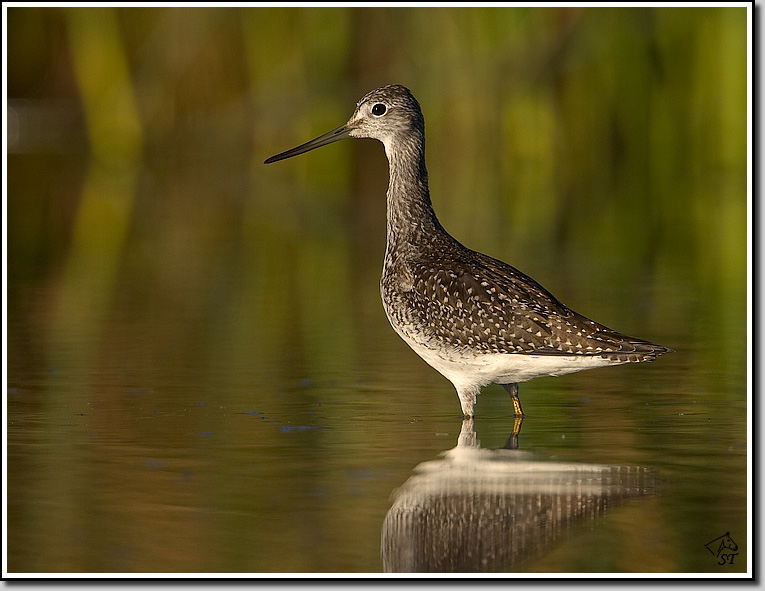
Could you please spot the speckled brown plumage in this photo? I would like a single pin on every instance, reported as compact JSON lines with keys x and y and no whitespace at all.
{"x":474,"y":318}
{"x":473,"y":302}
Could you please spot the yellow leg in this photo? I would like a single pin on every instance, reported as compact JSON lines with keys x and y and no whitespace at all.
{"x":512,"y":389}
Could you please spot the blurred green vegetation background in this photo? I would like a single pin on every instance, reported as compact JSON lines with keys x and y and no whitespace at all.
{"x":603,"y":151}
{"x":618,"y":129}
{"x":593,"y":148}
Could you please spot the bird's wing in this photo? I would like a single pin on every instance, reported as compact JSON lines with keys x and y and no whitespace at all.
{"x":476,"y":302}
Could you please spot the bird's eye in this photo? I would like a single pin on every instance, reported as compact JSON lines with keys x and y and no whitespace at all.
{"x":378,"y":109}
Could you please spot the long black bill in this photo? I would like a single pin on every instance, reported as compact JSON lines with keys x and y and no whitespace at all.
{"x":329,"y":137}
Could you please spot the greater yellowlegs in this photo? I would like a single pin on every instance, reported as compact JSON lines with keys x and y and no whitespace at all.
{"x":475,"y":319}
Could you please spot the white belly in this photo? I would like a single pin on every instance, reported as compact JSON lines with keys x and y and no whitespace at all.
{"x":469,"y":372}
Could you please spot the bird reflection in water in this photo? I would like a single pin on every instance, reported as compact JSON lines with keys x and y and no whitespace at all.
{"x":482,"y":510}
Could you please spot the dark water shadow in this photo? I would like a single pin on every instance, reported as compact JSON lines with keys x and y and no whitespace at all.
{"x":490,"y":510}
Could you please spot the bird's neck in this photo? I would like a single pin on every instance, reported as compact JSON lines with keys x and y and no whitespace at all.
{"x":411,"y":218}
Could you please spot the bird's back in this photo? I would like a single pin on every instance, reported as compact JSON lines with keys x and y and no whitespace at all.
{"x":446,"y":293}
